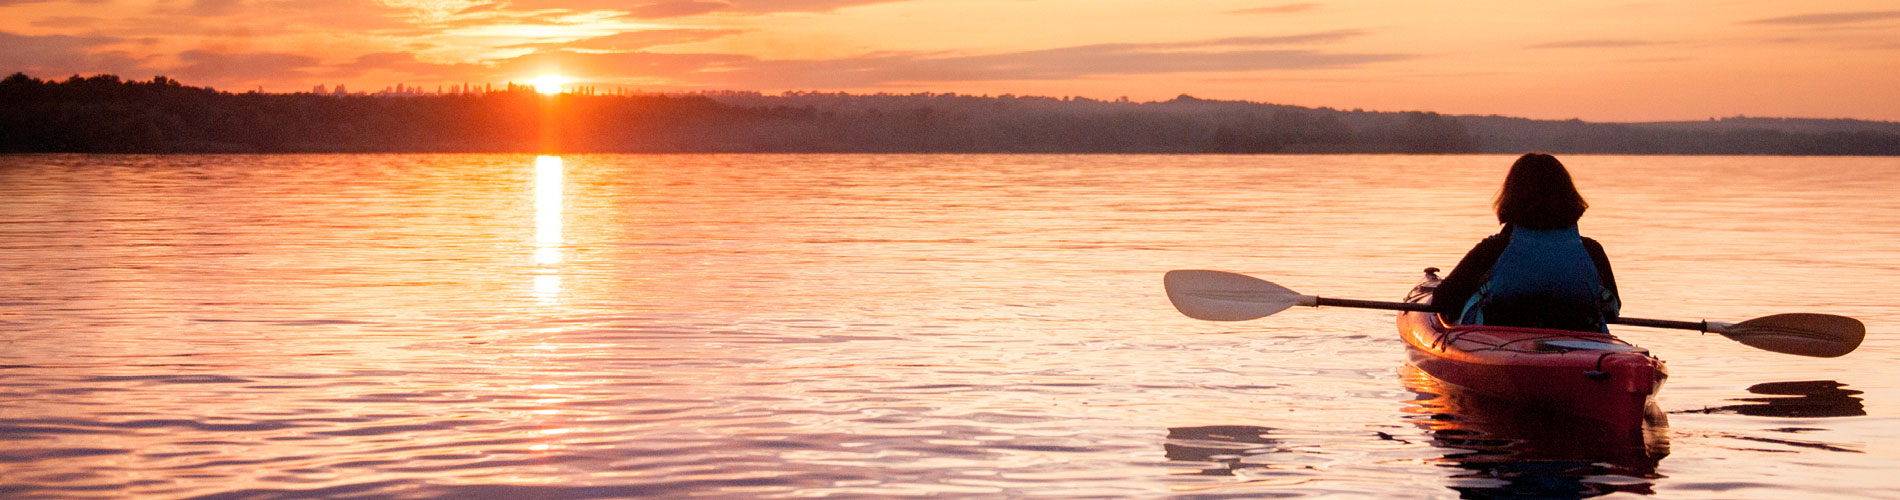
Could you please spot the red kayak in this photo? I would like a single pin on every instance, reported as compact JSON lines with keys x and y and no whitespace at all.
{"x":1591,"y":374}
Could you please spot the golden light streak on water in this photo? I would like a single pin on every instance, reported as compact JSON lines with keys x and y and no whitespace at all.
{"x":549,"y":174}
{"x":547,"y":255}
{"x":547,"y":287}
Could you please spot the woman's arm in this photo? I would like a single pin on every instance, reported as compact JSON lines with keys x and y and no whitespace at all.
{"x":1612,"y":300}
{"x":1465,"y":279}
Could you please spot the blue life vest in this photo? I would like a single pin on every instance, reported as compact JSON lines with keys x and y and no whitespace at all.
{"x":1543,"y":279}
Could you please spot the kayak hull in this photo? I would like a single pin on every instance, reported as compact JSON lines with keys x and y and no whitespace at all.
{"x":1590,"y":374}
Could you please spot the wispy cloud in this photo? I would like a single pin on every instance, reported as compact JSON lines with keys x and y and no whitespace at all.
{"x":764,"y":6}
{"x":675,"y":9}
{"x":64,"y":55}
{"x":433,"y":11}
{"x":1300,"y":39}
{"x":1278,"y":9}
{"x":628,"y":41}
{"x":1222,"y":55}
{"x":679,"y":8}
{"x":645,"y":67}
{"x":1595,"y":44}
{"x":243,"y":67}
{"x":1830,"y":19}
{"x":213,"y":7}
{"x":1659,"y":60}
{"x":1116,"y":59}
{"x":400,"y":63}
{"x":5,"y":3}
{"x":68,"y":22}
{"x":884,"y":69}
{"x":637,"y":40}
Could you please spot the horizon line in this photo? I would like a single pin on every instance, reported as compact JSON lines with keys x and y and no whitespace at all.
{"x":404,"y":90}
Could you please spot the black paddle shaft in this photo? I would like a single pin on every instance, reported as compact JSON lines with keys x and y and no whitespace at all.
{"x":1372,"y":304}
{"x":1414,"y":306}
{"x":1700,"y":326}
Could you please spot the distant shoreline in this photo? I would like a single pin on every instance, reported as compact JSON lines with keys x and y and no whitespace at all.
{"x":104,"y":114}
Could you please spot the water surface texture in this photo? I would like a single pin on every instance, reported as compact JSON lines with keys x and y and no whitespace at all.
{"x":866,"y":326}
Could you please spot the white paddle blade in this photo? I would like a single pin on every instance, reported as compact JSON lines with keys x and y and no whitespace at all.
{"x":1224,"y":296}
{"x":1803,"y":334}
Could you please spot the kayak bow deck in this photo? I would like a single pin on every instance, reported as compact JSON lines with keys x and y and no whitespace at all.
{"x":1585,"y":373}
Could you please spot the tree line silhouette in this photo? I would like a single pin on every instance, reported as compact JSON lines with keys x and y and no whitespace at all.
{"x":104,"y":114}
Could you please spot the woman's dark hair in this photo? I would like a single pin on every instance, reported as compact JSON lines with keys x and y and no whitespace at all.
{"x":1538,"y":194}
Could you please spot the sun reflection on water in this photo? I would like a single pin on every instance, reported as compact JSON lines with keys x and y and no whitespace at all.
{"x":548,"y":176}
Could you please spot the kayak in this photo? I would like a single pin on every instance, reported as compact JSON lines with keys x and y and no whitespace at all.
{"x":1590,"y":374}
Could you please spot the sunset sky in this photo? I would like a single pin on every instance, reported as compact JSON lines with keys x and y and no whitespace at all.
{"x":1589,"y":59}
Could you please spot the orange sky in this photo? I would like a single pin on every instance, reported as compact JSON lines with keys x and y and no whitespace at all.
{"x":1590,"y":59}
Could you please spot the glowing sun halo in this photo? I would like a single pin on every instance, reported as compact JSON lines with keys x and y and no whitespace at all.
{"x":549,"y":84}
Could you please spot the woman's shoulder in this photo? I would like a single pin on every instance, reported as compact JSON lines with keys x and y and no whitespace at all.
{"x":1502,"y":238}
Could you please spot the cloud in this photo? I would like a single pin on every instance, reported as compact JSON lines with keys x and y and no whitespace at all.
{"x":68,"y":22}
{"x":214,"y":7}
{"x":1220,"y":55}
{"x":676,"y":9}
{"x":637,"y":40}
{"x":1099,"y":60}
{"x":765,"y":6}
{"x":397,"y":62}
{"x":52,"y":43}
{"x":200,"y":9}
{"x":193,"y":20}
{"x":7,"y":3}
{"x":61,"y":55}
{"x":687,"y":69}
{"x":1306,"y":38}
{"x":1667,"y":60}
{"x":563,"y":5}
{"x":432,"y":11}
{"x":479,"y":8}
{"x":1278,"y":9}
{"x":227,"y":69}
{"x":1830,"y":19}
{"x":1595,"y":44}
{"x":1226,"y":55}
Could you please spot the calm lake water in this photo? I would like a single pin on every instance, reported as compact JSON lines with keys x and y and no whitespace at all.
{"x":765,"y":326}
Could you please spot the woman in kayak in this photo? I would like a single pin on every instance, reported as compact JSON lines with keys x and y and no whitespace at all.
{"x":1537,"y":271}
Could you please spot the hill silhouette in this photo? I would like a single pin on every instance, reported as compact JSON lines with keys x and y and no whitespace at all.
{"x":104,"y":114}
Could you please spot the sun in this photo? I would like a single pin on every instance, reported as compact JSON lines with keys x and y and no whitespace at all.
{"x":549,"y":84}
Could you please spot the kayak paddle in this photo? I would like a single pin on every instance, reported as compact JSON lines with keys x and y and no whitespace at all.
{"x":1224,"y":296}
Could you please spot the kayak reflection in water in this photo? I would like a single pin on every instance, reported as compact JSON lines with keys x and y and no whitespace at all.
{"x":1223,"y":449}
{"x":1499,"y":449}
{"x":1538,"y":271}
